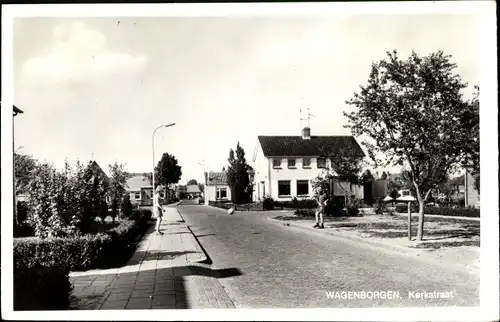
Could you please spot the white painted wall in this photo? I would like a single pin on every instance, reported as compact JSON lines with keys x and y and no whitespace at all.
{"x":264,"y":171}
{"x":261,"y":166}
{"x":210,"y":192}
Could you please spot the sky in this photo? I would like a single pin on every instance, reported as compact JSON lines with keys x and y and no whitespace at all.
{"x":97,"y":87}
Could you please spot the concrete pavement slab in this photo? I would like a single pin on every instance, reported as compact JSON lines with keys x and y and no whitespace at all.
{"x":161,"y":274}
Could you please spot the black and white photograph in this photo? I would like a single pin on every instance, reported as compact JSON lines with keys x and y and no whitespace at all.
{"x":226,"y":161}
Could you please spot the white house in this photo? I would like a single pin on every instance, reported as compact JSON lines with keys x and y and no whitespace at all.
{"x":216,"y":187}
{"x":285,"y":165}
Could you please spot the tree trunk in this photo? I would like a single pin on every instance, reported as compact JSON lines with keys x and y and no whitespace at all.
{"x":420,"y":229}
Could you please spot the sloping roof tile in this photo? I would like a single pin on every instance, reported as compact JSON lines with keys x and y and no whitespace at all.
{"x":283,"y":146}
{"x":217,"y":178}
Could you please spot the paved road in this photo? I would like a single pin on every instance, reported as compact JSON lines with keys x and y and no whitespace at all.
{"x":283,"y":267}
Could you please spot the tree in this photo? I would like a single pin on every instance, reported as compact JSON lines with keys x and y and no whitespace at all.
{"x":237,"y":175}
{"x":192,"y":182}
{"x":413,"y":113}
{"x":117,"y":187}
{"x":383,"y":176}
{"x":166,"y":172}
{"x":201,"y":186}
{"x":23,"y":166}
{"x":347,"y":165}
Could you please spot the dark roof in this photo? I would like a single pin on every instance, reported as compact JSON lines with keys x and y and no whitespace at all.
{"x":291,"y":146}
{"x":217,"y":178}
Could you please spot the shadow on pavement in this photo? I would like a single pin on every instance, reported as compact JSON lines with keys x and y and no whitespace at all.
{"x":149,"y":289}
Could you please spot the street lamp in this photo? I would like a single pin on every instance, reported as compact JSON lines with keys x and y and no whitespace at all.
{"x":153,"y":143}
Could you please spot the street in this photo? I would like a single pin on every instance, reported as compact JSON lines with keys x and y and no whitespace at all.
{"x":284,"y":267}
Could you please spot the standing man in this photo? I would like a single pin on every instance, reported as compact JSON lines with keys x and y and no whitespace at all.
{"x":157,"y":210}
{"x":320,"y":211}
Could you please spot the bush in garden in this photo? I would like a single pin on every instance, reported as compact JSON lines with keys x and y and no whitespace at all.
{"x":80,"y":252}
{"x":126,"y":206}
{"x":42,"y":288}
{"x":443,"y":211}
{"x":268,"y":203}
{"x":64,"y":203}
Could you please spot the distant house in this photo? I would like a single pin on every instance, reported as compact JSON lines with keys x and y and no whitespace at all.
{"x":216,"y":188}
{"x":285,"y":165}
{"x":140,"y":190}
{"x":180,"y":191}
{"x":193,"y":191}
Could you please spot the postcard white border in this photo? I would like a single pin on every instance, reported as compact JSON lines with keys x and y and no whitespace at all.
{"x":489,"y":296}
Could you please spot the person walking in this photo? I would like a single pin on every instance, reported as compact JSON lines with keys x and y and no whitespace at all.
{"x":320,"y":211}
{"x":157,"y":210}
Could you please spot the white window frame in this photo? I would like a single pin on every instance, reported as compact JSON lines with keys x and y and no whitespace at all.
{"x":297,"y":186}
{"x":290,"y":185}
{"x":135,"y":195}
{"x":307,"y":166}
{"x":294,"y":166}
{"x":279,"y":161}
{"x":218,"y":193}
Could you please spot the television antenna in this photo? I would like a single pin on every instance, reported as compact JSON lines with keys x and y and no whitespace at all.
{"x":308,"y":119}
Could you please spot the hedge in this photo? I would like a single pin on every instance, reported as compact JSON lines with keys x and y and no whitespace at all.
{"x":443,"y":211}
{"x":41,"y":288}
{"x":80,"y":252}
{"x":44,"y":264}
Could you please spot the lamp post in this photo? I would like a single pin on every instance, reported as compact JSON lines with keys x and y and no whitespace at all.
{"x":16,"y":111}
{"x":153,"y":144}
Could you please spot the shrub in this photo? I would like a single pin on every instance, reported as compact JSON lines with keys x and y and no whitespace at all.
{"x":443,"y":211}
{"x":297,"y":204}
{"x":42,"y":288}
{"x":81,"y":252}
{"x":126,"y":206}
{"x":268,"y":203}
{"x":380,"y":208}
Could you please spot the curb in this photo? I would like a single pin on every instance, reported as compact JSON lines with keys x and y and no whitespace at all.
{"x":365,"y":241}
{"x":180,"y":215}
{"x":205,"y":259}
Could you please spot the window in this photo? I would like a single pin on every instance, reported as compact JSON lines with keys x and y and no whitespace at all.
{"x":221,"y":193}
{"x":321,"y":163}
{"x":302,"y":187}
{"x":306,"y":162}
{"x":284,"y":188}
{"x":406,"y":192}
{"x":276,"y":163}
{"x":291,"y":163}
{"x":137,"y":195}
{"x":162,"y":194}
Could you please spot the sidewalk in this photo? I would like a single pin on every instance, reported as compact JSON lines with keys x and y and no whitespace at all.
{"x":165,"y":272}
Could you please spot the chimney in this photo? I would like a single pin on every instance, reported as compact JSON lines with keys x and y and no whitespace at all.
{"x":306,"y":133}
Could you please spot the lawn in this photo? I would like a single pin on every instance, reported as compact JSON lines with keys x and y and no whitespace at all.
{"x":438,"y":232}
